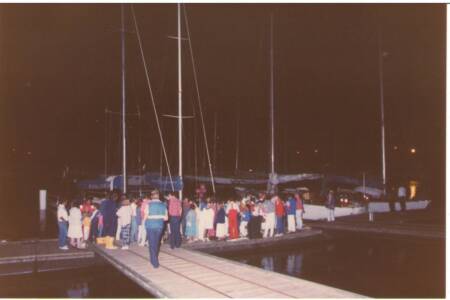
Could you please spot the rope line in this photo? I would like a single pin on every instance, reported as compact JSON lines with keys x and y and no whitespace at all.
{"x":198,"y":98}
{"x":151,"y":95}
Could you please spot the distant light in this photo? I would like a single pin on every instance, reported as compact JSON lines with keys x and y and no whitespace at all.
{"x":413,"y":150}
{"x":298,"y":152}
{"x":250,"y":170}
{"x":96,"y":121}
{"x":29,"y":153}
{"x":395,"y":147}
{"x":316,"y":150}
{"x":13,"y":149}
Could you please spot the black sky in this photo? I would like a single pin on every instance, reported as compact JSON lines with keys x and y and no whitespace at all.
{"x":61,"y":68}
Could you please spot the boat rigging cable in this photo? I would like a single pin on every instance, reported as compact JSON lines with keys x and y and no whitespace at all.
{"x":138,"y":34}
{"x":198,"y":98}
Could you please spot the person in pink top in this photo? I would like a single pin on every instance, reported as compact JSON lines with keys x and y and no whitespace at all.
{"x":142,"y":234}
{"x":175,"y":211}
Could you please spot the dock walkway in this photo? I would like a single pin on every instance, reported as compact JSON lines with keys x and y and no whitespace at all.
{"x":191,"y":274}
{"x":23,"y":257}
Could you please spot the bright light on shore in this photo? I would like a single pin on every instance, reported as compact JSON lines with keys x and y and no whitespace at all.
{"x":413,"y":150}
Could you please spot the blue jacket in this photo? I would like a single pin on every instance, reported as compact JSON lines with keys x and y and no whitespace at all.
{"x":292,"y":206}
{"x":246,"y":216}
{"x":156,"y":208}
{"x":220,"y":218}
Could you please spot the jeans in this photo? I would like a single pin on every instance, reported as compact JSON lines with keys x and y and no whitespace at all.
{"x":134,"y":230}
{"x":154,"y":239}
{"x":280,"y":225}
{"x":62,"y":236}
{"x":175,"y":235}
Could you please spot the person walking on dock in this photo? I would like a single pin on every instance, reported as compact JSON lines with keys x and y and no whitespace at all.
{"x":125,"y":213}
{"x":63,"y":219}
{"x":175,"y":211}
{"x":156,"y":214}
{"x":291,"y":207}
{"x":330,"y":204}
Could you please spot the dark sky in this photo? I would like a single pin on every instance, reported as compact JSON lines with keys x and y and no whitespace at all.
{"x":60,"y":68}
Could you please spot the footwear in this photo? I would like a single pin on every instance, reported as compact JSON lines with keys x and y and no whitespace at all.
{"x":64,"y":248}
{"x":110,"y":243}
{"x":125,"y":247}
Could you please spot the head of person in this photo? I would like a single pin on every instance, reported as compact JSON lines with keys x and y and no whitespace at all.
{"x":96,"y":206}
{"x":154,"y":195}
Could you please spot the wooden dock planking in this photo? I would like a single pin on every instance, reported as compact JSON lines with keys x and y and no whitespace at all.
{"x":190,"y":274}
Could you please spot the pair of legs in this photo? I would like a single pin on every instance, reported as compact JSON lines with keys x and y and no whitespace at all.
{"x":269,"y":225}
{"x":175,"y":234}
{"x":154,"y":239}
{"x":299,"y":219}
{"x":291,"y":223}
{"x":330,"y":216}
{"x":62,"y":235}
{"x":280,"y":225}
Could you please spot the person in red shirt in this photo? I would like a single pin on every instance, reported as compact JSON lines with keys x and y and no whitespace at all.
{"x":279,"y":213}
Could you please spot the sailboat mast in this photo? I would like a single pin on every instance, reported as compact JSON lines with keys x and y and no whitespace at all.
{"x":124,"y":137}
{"x":180,"y":107}
{"x":272,"y":130}
{"x":383,"y":138}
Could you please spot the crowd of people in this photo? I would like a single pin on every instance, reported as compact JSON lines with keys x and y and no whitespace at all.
{"x":148,"y":220}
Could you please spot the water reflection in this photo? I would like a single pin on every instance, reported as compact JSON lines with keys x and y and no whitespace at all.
{"x":374,"y":267}
{"x":78,"y":290}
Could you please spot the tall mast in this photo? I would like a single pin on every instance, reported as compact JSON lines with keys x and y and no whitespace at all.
{"x":271,"y":186}
{"x":180,"y":119}
{"x":124,"y":137}
{"x":383,"y":137}
{"x":272,"y":130}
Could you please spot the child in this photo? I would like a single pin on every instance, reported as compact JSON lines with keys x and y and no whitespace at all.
{"x":245,"y":218}
{"x":75,"y":232}
{"x":96,"y":223}
{"x":191,"y":224}
{"x":124,"y":213}
{"x":86,"y":226}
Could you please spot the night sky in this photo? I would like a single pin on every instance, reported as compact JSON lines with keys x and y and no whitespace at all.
{"x":61,"y":69}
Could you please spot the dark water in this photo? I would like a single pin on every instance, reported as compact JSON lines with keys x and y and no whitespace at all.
{"x":94,"y":282}
{"x":375,"y":267}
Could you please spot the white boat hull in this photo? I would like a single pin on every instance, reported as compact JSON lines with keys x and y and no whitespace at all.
{"x":319,"y":212}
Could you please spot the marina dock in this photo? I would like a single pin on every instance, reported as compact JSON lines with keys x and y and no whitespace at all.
{"x":408,"y":225}
{"x":23,"y":257}
{"x":306,"y":235}
{"x":191,"y":274}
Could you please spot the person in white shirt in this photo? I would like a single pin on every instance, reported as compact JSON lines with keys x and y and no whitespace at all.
{"x":75,"y":232}
{"x":124,"y":213}
{"x":62,"y":218}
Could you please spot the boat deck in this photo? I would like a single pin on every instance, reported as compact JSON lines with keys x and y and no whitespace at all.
{"x":191,"y":274}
